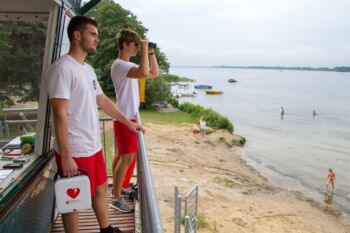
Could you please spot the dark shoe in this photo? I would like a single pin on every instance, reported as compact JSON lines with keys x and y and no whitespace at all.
{"x":127,"y":191}
{"x":117,"y":230}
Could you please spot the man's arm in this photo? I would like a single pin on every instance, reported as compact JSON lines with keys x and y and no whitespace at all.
{"x":59,"y":110}
{"x":154,"y":69}
{"x":147,"y":68}
{"x":108,"y":107}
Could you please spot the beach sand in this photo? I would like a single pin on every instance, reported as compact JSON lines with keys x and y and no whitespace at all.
{"x":233,"y":197}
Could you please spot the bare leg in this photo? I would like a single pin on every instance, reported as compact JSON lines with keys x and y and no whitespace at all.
{"x":99,"y":204}
{"x":120,"y":170}
{"x":327,"y":183}
{"x":70,"y":222}
{"x":116,"y":160}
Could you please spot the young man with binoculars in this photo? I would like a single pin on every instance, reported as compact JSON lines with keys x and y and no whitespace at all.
{"x":125,"y":75}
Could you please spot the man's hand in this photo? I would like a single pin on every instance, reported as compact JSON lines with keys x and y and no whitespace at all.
{"x":136,"y":127}
{"x":69,"y":166}
{"x":144,"y":44}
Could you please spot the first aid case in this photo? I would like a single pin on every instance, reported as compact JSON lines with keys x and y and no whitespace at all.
{"x":72,"y":193}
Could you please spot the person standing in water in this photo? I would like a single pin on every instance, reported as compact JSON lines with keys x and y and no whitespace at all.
{"x":330,"y":179}
{"x":282,"y":111}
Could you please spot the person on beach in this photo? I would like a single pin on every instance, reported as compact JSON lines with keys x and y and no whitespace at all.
{"x":330,"y":179}
{"x":74,"y":95}
{"x":125,"y":75}
{"x":202,"y":126}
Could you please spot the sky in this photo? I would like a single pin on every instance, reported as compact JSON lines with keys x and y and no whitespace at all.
{"x":314,"y":33}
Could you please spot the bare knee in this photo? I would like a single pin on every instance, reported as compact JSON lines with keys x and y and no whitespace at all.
{"x":127,"y":158}
{"x":101,"y":190}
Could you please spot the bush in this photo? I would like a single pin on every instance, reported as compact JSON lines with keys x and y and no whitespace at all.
{"x":157,"y":90}
{"x":175,"y":78}
{"x":213,"y":118}
{"x":171,"y":100}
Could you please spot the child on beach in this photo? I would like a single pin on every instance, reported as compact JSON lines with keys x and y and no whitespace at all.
{"x":330,"y":179}
{"x":125,"y":75}
{"x":202,"y":126}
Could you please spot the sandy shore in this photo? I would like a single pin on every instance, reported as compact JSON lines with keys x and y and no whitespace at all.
{"x":233,"y":196}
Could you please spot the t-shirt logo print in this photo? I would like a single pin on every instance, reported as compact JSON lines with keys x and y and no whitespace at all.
{"x":94,"y":84}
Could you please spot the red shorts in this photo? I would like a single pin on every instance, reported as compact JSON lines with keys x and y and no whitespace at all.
{"x":126,"y":139}
{"x":95,"y":165}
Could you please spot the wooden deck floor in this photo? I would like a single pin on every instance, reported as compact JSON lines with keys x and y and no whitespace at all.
{"x":88,"y":222}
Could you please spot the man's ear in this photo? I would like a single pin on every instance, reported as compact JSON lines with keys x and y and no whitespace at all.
{"x":77,"y":35}
{"x":125,"y":45}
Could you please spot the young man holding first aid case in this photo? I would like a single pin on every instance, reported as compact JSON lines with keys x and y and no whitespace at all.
{"x":75,"y":94}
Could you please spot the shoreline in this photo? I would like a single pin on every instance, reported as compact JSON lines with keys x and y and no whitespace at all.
{"x":232,"y":193}
{"x":321,"y":200}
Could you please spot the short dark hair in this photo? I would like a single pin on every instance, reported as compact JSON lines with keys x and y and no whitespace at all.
{"x":127,"y":36}
{"x":78,"y":23}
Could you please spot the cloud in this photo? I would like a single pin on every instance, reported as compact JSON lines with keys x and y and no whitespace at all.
{"x":251,"y":32}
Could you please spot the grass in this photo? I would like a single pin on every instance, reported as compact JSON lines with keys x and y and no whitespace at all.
{"x":175,"y":78}
{"x":225,"y":182}
{"x":152,"y":116}
{"x":176,"y":118}
{"x":203,"y":223}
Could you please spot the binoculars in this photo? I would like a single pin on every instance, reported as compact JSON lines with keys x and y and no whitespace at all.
{"x":152,"y":45}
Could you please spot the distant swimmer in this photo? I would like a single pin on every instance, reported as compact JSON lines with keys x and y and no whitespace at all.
{"x":282,"y":111}
{"x":330,"y":179}
{"x":314,"y":113}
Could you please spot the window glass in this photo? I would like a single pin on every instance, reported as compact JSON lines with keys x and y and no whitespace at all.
{"x":22,"y":46}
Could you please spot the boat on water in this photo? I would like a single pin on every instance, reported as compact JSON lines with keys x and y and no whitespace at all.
{"x":214,"y":92}
{"x":179,"y":95}
{"x":203,"y":86}
{"x":231,"y":80}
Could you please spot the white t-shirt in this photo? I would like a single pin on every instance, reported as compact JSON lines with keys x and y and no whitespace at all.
{"x":68,"y":79}
{"x":126,"y":89}
{"x":202,"y":125}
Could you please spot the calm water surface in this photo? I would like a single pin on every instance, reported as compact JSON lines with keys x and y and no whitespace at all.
{"x":295,"y":151}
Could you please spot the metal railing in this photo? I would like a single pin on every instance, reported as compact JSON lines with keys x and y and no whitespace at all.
{"x":191,"y":210}
{"x":22,"y":123}
{"x":150,"y":219}
{"x":150,"y":216}
{"x":177,"y":209}
{"x":108,"y":142}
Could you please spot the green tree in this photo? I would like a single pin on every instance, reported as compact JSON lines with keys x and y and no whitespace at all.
{"x":112,"y":18}
{"x":22,"y":51}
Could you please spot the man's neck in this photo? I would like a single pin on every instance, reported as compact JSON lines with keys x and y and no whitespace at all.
{"x":78,"y":55}
{"x":124,"y":56}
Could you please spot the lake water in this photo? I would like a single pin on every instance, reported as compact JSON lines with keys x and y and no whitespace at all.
{"x":295,"y":151}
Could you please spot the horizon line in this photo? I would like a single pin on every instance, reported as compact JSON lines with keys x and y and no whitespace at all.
{"x":265,"y":67}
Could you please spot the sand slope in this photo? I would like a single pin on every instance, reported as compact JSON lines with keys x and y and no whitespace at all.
{"x":233,"y":196}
